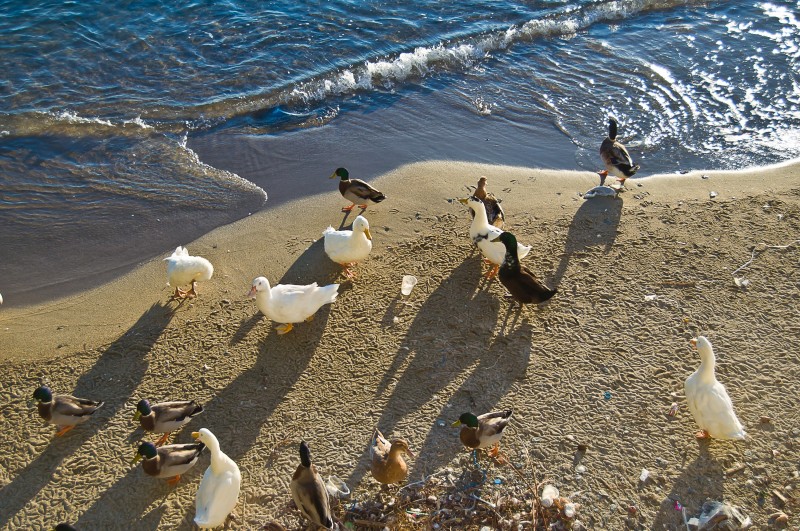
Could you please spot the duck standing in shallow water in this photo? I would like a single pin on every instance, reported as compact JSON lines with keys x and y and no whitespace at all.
{"x":518,"y":280}
{"x":616,"y":158}
{"x":356,"y":191}
{"x":708,"y":399}
{"x":65,"y":411}
{"x":169,"y":461}
{"x":483,"y":431}
{"x":386,"y":460}
{"x":183,"y":269}
{"x":348,"y":247}
{"x":309,"y":492}
{"x":165,"y":417}
{"x":219,"y":489}
{"x":494,"y":212}
{"x":289,"y":303}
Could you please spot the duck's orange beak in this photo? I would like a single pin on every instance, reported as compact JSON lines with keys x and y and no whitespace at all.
{"x":693,"y":342}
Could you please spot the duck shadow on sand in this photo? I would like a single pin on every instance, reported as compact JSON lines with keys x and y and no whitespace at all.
{"x":113,"y":378}
{"x":593,"y":225}
{"x":450,"y":336}
{"x":700,"y":480}
{"x":237,"y":412}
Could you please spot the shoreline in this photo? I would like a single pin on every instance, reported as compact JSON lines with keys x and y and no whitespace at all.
{"x":372,"y":359}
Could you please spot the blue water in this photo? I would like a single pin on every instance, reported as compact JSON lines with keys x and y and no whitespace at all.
{"x":128,"y":128}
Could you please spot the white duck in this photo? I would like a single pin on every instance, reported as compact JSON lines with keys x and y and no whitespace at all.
{"x":288,"y":303}
{"x":219,"y":489}
{"x":708,"y":400}
{"x":347,"y":247}
{"x":183,"y":269}
{"x":482,"y":235}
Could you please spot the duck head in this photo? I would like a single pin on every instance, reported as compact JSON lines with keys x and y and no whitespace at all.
{"x":401,"y":445}
{"x":43,"y":394}
{"x":341,"y":173}
{"x":508,"y":239}
{"x":360,"y":224}
{"x":142,"y":409}
{"x":259,"y":284}
{"x":467,"y":419}
{"x":147,"y":450}
{"x":472,"y":202}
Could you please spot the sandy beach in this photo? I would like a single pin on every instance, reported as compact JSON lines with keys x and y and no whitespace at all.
{"x":590,"y":375}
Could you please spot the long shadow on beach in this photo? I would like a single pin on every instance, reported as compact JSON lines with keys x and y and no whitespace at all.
{"x":504,"y":363}
{"x":700,"y":480}
{"x":436,"y":350}
{"x":237,"y":412}
{"x":113,"y":378}
{"x":593,"y":225}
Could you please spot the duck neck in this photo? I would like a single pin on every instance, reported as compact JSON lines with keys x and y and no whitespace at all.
{"x":265,"y":295}
{"x":708,"y":363}
{"x":481,"y":221}
{"x":511,"y":261}
{"x":217,"y":457}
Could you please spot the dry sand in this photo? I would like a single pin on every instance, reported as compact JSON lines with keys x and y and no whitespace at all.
{"x":599,"y":365}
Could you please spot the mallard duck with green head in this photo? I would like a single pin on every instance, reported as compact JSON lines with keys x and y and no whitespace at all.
{"x":171,"y":461}
{"x":517,"y":279}
{"x":165,"y":417}
{"x":356,"y":191}
{"x":309,"y":492}
{"x":616,"y":158}
{"x":65,"y":411}
{"x":483,"y":431}
{"x":494,"y":212}
{"x":386,"y":459}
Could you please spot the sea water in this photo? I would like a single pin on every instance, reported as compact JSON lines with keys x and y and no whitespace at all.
{"x":128,"y":128}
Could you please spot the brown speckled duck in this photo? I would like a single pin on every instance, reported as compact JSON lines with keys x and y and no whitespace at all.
{"x":518,"y":280}
{"x":483,"y":431}
{"x":494,"y":212}
{"x":616,"y":158}
{"x":65,"y":411}
{"x":309,"y":492}
{"x":356,"y":191}
{"x":387,"y":463}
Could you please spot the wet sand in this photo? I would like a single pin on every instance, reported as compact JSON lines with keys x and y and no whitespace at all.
{"x":596,"y":367}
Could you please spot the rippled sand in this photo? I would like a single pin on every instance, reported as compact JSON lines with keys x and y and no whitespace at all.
{"x":599,"y":365}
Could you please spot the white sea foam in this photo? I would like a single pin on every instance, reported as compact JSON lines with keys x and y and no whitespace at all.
{"x":464,"y":54}
{"x":220,"y":174}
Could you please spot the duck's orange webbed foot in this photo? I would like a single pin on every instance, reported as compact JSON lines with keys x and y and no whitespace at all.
{"x":284,"y":328}
{"x":63,"y":430}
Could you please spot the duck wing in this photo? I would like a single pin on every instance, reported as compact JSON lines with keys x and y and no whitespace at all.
{"x":524,"y":286}
{"x":71,"y":406}
{"x":176,"y":411}
{"x":362,"y":190}
{"x":179,"y":455}
{"x":494,"y":422}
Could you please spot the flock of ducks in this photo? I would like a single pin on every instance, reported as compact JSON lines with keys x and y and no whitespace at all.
{"x":288,"y":304}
